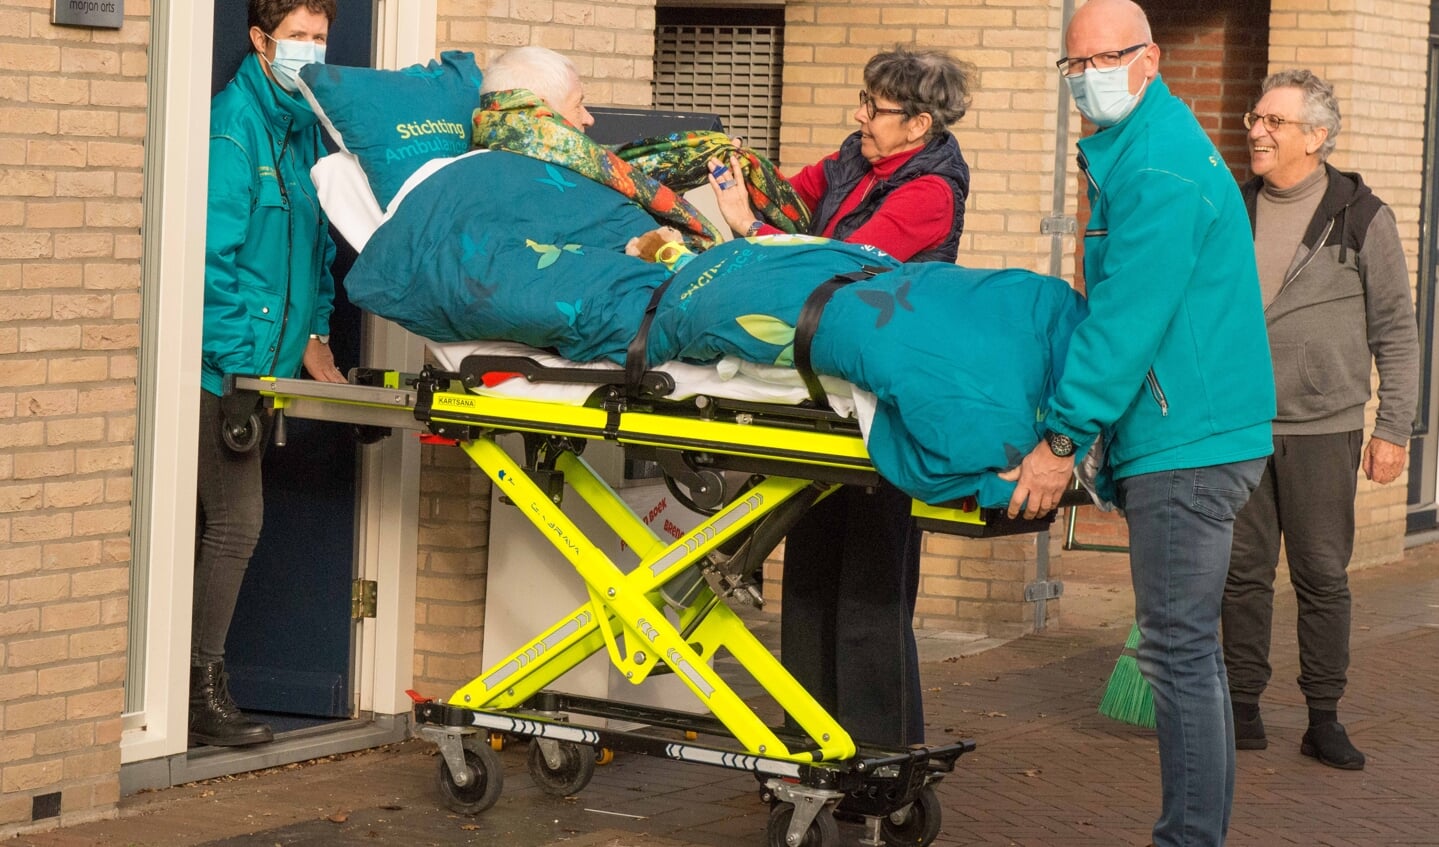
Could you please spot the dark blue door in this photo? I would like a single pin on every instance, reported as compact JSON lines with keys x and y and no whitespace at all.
{"x":289,"y":646}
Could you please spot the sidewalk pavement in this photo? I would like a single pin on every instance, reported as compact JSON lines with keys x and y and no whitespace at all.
{"x":1048,"y":771}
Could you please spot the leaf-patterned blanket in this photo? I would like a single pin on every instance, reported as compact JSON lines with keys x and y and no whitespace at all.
{"x":502,"y":246}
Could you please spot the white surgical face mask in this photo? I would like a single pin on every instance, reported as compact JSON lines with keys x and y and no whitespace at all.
{"x":1102,"y":94}
{"x":290,"y":56}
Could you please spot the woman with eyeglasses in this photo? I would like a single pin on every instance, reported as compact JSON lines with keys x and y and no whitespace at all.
{"x":899,"y":181}
{"x":851,"y":564}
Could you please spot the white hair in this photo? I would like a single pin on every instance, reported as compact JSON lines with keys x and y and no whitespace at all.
{"x":548,"y":74}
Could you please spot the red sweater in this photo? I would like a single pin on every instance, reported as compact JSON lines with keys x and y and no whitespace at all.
{"x":915,"y":217}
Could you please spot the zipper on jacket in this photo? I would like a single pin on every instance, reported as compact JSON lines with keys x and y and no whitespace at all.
{"x":1313,"y":251}
{"x":289,"y":248}
{"x":1158,"y":393}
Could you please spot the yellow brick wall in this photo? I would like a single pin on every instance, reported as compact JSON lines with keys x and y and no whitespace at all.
{"x":612,"y":44}
{"x":72,"y":123}
{"x":1376,"y":56}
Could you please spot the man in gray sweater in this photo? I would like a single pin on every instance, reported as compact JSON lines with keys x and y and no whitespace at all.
{"x":1336,"y":294}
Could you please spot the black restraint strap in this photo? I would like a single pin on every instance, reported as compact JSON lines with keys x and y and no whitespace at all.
{"x":808,"y":324}
{"x":635,"y":358}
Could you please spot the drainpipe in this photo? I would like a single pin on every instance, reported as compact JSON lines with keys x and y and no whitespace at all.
{"x":1056,"y":226}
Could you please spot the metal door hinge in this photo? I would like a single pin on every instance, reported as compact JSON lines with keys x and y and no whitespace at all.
{"x":364,"y":594}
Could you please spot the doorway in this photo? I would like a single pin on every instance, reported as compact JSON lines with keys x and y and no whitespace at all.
{"x":290,"y":652}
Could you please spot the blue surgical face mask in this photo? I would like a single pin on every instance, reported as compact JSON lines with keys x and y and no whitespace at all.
{"x":290,"y":56}
{"x":1102,"y":94}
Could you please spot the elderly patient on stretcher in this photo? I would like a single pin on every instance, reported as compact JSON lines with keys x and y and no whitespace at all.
{"x":527,"y":243}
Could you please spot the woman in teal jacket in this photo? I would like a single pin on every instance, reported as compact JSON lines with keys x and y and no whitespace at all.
{"x":268,"y":298}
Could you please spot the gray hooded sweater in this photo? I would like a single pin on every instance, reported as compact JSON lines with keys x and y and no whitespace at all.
{"x":1344,"y":304}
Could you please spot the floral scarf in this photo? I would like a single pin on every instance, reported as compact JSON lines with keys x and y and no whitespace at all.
{"x":520,"y":122}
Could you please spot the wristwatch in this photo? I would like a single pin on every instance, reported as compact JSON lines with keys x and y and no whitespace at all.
{"x":1060,"y":444}
{"x":323,"y":339}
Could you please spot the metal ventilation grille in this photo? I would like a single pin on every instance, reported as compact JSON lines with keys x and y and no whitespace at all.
{"x":731,"y":71}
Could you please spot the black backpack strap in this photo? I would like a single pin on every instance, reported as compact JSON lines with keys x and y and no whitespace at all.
{"x":808,"y":324}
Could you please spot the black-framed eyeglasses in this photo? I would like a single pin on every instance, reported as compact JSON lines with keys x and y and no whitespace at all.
{"x":1108,"y":60}
{"x":1271,"y":122}
{"x":872,"y":108}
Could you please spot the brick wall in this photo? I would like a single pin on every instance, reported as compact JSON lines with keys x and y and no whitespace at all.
{"x":612,"y":45}
{"x":72,"y":123}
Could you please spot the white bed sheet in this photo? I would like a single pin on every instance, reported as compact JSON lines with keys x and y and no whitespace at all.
{"x":346,"y":196}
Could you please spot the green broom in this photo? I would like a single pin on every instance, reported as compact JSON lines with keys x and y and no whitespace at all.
{"x":1128,"y":697}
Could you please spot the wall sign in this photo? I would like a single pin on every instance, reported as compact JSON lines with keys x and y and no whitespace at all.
{"x":104,"y":14}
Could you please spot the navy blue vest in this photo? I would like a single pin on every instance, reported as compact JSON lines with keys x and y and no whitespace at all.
{"x":940,"y":157}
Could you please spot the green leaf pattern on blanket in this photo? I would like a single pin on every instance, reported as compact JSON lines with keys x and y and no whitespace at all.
{"x":556,"y":179}
{"x":571,"y":311}
{"x":771,"y":330}
{"x":550,"y":253}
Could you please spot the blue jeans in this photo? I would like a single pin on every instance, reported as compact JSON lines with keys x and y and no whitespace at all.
{"x":1181,"y":523}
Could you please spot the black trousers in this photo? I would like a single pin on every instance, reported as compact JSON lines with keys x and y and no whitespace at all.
{"x":230,"y":510}
{"x":1306,"y":497}
{"x":851,"y":575}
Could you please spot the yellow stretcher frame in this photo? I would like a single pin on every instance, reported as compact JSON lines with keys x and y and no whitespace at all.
{"x":625,"y":613}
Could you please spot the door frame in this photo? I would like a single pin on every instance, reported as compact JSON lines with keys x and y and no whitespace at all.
{"x":1423,"y":510}
{"x":176,"y":175}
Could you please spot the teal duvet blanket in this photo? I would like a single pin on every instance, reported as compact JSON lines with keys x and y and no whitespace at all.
{"x":961,"y":361}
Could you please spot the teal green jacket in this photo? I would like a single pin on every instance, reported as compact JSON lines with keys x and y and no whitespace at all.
{"x":267,"y":244}
{"x":1172,"y":362}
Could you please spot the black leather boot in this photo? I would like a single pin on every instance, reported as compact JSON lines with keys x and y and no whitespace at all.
{"x":214,"y":717}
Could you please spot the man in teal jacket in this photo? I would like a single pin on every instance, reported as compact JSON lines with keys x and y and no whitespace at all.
{"x":1172,"y":367}
{"x":268,"y":298}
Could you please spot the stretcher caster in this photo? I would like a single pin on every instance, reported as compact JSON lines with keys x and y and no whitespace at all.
{"x":483,"y":779}
{"x":604,"y":755}
{"x":242,"y":437}
{"x":917,"y":825}
{"x":561,"y":768}
{"x":497,"y":741}
{"x":822,"y":831}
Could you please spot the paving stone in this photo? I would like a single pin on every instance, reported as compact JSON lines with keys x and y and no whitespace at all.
{"x":1048,"y":772}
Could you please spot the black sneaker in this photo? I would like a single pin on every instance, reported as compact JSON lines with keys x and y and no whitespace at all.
{"x":1249,"y":734}
{"x":1329,"y":743}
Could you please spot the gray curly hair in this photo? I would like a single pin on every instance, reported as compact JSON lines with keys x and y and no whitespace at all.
{"x":1321,"y":107}
{"x":922,"y":81}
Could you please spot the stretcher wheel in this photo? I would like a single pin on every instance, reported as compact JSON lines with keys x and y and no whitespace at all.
{"x":497,"y":741}
{"x":242,"y":438}
{"x":487,"y":778}
{"x":822,"y":832}
{"x":604,"y":755}
{"x":577,"y":767}
{"x":920,"y":824}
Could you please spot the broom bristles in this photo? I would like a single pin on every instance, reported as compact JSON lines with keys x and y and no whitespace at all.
{"x":1128,"y":697}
